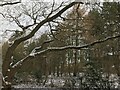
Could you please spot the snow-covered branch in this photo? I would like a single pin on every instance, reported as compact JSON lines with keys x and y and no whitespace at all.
{"x":49,"y":49}
{"x":36,"y":49}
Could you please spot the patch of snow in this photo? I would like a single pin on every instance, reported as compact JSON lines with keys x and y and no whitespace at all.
{"x":7,"y":83}
{"x":11,"y":64}
{"x":10,"y":43}
{"x":37,"y":48}
{"x":113,"y":66}
{"x":8,"y":70}
{"x":12,"y":57}
{"x":32,"y":54}
{"x":5,"y":77}
{"x":110,"y":53}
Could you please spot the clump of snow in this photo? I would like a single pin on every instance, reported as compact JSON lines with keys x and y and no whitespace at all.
{"x":32,"y":54}
{"x":111,"y":53}
{"x":18,"y":63}
{"x":8,"y":70}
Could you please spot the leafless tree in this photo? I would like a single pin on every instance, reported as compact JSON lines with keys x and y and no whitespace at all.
{"x":39,"y":16}
{"x":9,"y":71}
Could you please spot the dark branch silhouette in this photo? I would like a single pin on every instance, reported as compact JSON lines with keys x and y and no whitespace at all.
{"x":10,"y":3}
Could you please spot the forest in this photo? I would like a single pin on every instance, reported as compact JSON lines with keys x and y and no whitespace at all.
{"x":70,"y":45}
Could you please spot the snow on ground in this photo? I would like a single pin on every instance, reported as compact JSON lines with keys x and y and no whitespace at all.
{"x":59,"y":82}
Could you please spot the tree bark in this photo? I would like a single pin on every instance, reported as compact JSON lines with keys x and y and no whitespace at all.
{"x":8,"y":87}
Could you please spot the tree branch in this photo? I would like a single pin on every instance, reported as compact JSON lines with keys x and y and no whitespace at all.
{"x":10,"y":3}
{"x":49,"y":49}
{"x":42,"y":45}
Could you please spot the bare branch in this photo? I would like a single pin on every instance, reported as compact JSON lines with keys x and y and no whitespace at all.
{"x":2,"y":15}
{"x":51,"y":30}
{"x":10,"y":3}
{"x":15,"y":19}
{"x":53,"y":34}
{"x":53,"y":10}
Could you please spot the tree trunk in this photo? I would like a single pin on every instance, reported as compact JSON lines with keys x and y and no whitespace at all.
{"x":7,"y":79}
{"x":75,"y":64}
{"x":58,"y":70}
{"x":7,"y":87}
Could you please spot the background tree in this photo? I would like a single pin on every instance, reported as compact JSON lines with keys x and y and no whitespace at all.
{"x":108,"y":27}
{"x":75,"y":42}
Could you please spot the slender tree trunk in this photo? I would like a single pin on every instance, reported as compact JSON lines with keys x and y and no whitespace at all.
{"x":58,"y":70}
{"x":7,"y":85}
{"x":68,"y":68}
{"x":75,"y":64}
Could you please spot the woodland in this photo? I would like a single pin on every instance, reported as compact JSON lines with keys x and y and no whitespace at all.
{"x":61,"y":45}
